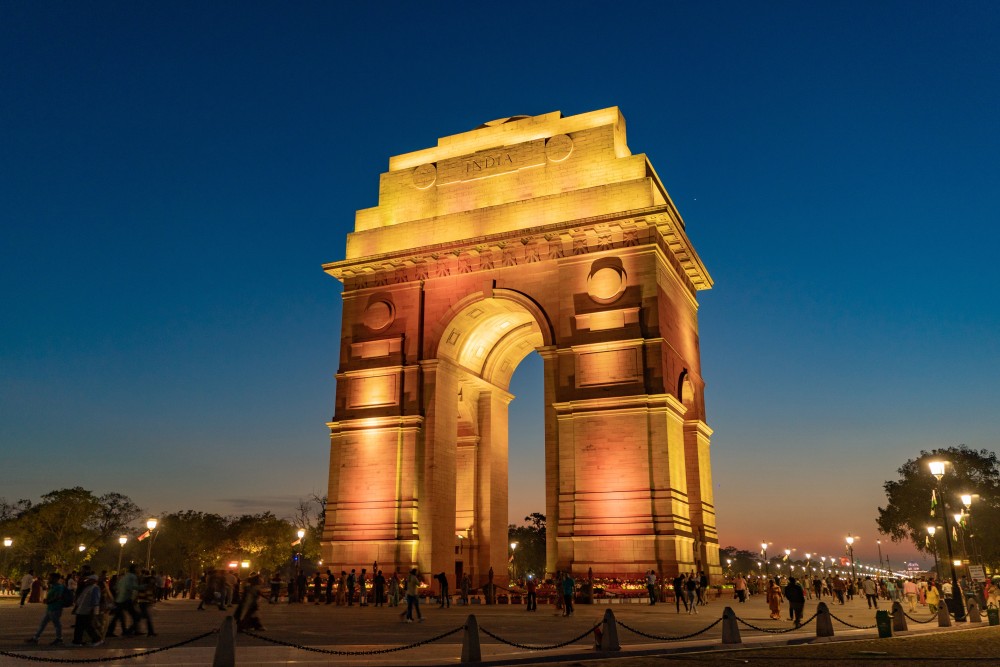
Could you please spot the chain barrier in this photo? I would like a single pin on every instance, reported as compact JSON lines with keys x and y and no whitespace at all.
{"x":851,"y":625}
{"x":374,"y":651}
{"x":528,"y":647}
{"x":667,"y":639}
{"x":932,"y":618}
{"x":105,"y":660}
{"x":772,"y":631}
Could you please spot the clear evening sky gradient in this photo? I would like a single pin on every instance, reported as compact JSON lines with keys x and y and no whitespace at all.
{"x":172,"y":176}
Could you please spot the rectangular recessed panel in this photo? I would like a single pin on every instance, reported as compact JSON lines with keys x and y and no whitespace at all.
{"x":609,"y":367}
{"x":372,"y":391}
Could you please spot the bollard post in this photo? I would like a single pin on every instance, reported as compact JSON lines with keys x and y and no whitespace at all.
{"x":730,"y":628}
{"x":898,"y":618}
{"x":225,"y":646}
{"x":609,"y":632}
{"x":824,"y":624}
{"x":973,"y":612}
{"x":944,"y":618}
{"x":470,"y":641}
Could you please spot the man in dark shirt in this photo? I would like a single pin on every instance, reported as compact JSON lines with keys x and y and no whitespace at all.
{"x":796,"y":600}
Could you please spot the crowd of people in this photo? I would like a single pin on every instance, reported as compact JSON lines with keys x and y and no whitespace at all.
{"x":99,"y":604}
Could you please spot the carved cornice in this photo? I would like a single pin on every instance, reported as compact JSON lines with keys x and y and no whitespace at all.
{"x":628,"y":229}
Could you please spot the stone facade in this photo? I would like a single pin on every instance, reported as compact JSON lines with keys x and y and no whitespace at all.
{"x":530,"y":233}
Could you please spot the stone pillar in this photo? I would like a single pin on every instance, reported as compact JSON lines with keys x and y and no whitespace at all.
{"x":436,"y":472}
{"x":492,"y":491}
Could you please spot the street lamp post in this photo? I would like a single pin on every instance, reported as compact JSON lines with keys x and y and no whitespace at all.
{"x":932,"y":530}
{"x":937,"y":470}
{"x":121,"y":547}
{"x":513,"y":565}
{"x":151,"y":525}
{"x":850,"y":549}
{"x":879,"y":543}
{"x":763,"y":551}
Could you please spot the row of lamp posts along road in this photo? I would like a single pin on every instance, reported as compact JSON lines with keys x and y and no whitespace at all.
{"x":937,"y":469}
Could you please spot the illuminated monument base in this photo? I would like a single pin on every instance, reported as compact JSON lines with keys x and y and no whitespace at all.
{"x":527,"y":234}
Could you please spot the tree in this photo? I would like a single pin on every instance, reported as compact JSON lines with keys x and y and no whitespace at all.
{"x":908,"y":510}
{"x":744,"y":562}
{"x":529,"y":556}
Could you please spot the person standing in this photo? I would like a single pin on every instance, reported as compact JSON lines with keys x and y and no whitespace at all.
{"x":275,"y":588}
{"x":88,"y":603}
{"x":378,"y":583}
{"x":532,"y":585}
{"x":53,"y":610}
{"x":445,"y":600}
{"x":317,"y":587}
{"x":351,"y":578}
{"x":774,"y":599}
{"x":363,"y":588}
{"x":466,"y":585}
{"x":796,"y":600}
{"x":26,"y":582}
{"x":342,"y":589}
{"x":329,"y":586}
{"x":394,"y":585}
{"x":702,"y":588}
{"x":651,"y":586}
{"x":693,"y":593}
{"x":818,"y":587}
{"x":568,"y":587}
{"x":740,"y":586}
{"x":412,"y":601}
{"x":301,"y":584}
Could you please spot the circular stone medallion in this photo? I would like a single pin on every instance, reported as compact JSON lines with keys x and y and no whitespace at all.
{"x":424,"y":176}
{"x":558,"y":148}
{"x":606,"y":284}
{"x":378,"y":315}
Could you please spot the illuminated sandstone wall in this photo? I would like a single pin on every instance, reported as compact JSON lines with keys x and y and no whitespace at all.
{"x":534,"y":233}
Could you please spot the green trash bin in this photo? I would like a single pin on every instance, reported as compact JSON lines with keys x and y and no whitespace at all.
{"x":993,"y":614}
{"x":883,"y":623}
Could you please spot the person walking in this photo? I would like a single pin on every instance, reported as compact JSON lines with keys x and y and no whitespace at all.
{"x":145,"y":599}
{"x":54,"y":603}
{"x":246,"y":612}
{"x":679,"y":595}
{"x":693,"y":594}
{"x":394,"y":585}
{"x":651,"y":586}
{"x":796,"y":600}
{"x":88,"y":603}
{"x":363,"y":589}
{"x":26,"y":581}
{"x":125,"y":594}
{"x":933,"y":597}
{"x":910,"y":593}
{"x":871,"y":592}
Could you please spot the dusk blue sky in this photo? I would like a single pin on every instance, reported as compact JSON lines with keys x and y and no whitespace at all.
{"x":173,"y":175}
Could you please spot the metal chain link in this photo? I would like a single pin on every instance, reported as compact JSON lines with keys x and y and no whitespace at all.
{"x":82,"y":661}
{"x":772,"y":631}
{"x":667,"y":639}
{"x":933,"y":617}
{"x":376,"y":651}
{"x":527,"y":647}
{"x":851,"y":625}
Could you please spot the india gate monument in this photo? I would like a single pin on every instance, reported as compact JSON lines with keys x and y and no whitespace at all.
{"x":532,"y":233}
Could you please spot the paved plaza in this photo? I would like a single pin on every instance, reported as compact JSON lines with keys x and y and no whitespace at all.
{"x":370,"y":628}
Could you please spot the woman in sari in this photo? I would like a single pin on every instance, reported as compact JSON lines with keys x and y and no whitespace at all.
{"x":774,"y":598}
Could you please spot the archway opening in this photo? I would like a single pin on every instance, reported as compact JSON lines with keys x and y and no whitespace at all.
{"x":500,"y":455}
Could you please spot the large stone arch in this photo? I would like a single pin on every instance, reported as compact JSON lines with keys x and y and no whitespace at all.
{"x":542,"y":233}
